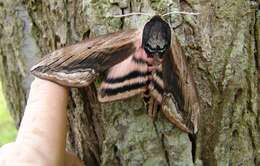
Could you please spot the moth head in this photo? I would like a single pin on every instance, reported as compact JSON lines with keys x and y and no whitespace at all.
{"x":156,"y":38}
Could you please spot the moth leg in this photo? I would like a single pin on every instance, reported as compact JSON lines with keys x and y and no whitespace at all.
{"x":153,"y":107}
{"x":170,"y":110}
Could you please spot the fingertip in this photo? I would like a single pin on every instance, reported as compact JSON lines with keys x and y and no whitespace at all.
{"x":43,"y":92}
{"x":46,"y":85}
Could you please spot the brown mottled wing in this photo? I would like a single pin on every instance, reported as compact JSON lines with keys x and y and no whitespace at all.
{"x":79,"y":64}
{"x":180,"y":100}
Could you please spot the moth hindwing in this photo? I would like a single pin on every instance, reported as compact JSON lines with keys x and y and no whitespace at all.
{"x":146,"y":61}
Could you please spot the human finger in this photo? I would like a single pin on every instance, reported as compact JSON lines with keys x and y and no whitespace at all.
{"x":43,"y":127}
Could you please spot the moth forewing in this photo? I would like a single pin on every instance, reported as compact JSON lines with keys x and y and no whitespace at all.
{"x":180,"y":85}
{"x":54,"y":66}
{"x":79,"y":64}
{"x":171,"y":111}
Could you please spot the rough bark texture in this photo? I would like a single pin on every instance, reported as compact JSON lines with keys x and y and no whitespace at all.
{"x":222,"y":48}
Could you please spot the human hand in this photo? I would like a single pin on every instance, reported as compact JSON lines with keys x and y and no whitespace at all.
{"x":41,"y":139}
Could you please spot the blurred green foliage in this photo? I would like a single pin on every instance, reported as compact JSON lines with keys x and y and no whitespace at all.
{"x":7,"y":126}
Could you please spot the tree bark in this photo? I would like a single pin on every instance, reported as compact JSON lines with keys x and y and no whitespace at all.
{"x":222,"y":48}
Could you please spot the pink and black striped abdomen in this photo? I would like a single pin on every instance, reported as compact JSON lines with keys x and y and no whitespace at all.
{"x":156,"y":85}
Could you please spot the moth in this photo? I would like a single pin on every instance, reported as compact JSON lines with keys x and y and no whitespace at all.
{"x":147,"y":61}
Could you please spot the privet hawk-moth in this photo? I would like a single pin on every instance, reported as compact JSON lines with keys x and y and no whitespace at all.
{"x":147,"y":61}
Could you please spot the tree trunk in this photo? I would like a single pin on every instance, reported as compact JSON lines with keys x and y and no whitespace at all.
{"x":222,"y":48}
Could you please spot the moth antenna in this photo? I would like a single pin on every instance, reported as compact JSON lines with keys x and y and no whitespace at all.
{"x":180,"y":12}
{"x":130,"y":14}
